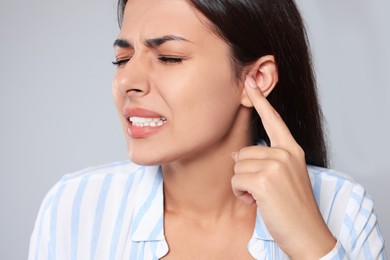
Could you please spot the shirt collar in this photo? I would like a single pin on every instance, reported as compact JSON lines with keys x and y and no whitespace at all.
{"x":148,"y":218}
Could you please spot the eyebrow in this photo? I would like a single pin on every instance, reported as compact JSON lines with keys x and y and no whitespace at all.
{"x":151,"y":43}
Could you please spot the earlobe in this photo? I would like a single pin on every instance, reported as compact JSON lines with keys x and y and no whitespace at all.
{"x":245,"y":101}
{"x":265,"y":73}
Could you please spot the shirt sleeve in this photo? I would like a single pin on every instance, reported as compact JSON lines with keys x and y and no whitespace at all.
{"x":337,"y":253}
{"x":41,"y":241}
{"x":359,"y":236}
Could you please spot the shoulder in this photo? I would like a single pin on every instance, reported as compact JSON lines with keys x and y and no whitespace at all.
{"x":100,"y":194}
{"x":85,"y":204}
{"x":330,"y":174}
{"x":340,"y":197}
{"x":328,"y":181}
{"x":331,"y":186}
{"x":122,"y":168}
{"x":94,"y":176}
{"x":112,"y":180}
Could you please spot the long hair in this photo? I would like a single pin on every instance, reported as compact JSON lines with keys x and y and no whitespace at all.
{"x":255,"y":28}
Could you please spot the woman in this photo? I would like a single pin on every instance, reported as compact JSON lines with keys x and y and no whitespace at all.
{"x":223,"y":175}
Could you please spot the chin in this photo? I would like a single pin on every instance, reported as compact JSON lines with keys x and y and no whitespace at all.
{"x":144,"y":158}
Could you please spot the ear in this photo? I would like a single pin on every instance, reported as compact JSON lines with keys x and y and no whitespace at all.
{"x":265,"y":73}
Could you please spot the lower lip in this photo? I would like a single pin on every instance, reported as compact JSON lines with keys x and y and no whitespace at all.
{"x":142,"y":132}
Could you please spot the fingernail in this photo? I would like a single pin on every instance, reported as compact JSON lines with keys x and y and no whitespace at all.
{"x":250,"y":82}
{"x":234,"y":156}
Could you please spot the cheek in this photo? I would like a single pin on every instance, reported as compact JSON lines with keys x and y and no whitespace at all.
{"x":210,"y":103}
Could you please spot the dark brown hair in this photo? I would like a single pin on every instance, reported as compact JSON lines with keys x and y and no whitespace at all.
{"x":254,"y":28}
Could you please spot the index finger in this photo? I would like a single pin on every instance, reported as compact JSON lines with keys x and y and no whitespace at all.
{"x":274,"y":125}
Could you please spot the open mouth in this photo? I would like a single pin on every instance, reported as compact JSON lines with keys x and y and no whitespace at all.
{"x":147,"y":121}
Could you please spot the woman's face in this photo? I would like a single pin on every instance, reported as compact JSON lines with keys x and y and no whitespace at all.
{"x":174,"y":86}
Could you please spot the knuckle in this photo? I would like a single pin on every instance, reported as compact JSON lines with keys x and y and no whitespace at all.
{"x":285,"y":156}
{"x":276,"y":168}
{"x":298,"y":151}
{"x":243,"y":150}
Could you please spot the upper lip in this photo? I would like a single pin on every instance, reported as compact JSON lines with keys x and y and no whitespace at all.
{"x":140,"y":112}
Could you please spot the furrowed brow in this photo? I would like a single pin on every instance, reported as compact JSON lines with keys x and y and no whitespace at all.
{"x":155,"y":42}
{"x":122,"y":43}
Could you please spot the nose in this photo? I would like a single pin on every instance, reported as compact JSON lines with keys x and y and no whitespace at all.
{"x":132,"y":79}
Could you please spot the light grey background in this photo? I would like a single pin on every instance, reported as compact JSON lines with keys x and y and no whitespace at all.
{"x":57,"y":114}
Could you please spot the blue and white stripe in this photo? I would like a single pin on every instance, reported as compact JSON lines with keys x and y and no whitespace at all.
{"x":116,"y":211}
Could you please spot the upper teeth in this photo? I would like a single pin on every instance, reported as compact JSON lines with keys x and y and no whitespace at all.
{"x":147,"y":121}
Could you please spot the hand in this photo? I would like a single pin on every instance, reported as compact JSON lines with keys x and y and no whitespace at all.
{"x":275,"y":179}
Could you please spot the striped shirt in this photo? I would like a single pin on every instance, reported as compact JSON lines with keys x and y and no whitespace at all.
{"x":116,"y":211}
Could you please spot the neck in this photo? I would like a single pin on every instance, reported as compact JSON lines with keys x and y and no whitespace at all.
{"x":201,"y":185}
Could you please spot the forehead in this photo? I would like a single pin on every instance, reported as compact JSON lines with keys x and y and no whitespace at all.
{"x":152,"y":18}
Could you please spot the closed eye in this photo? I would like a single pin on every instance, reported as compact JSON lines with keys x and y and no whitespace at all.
{"x":120,"y":63}
{"x":164,"y":59}
{"x":170,"y":60}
